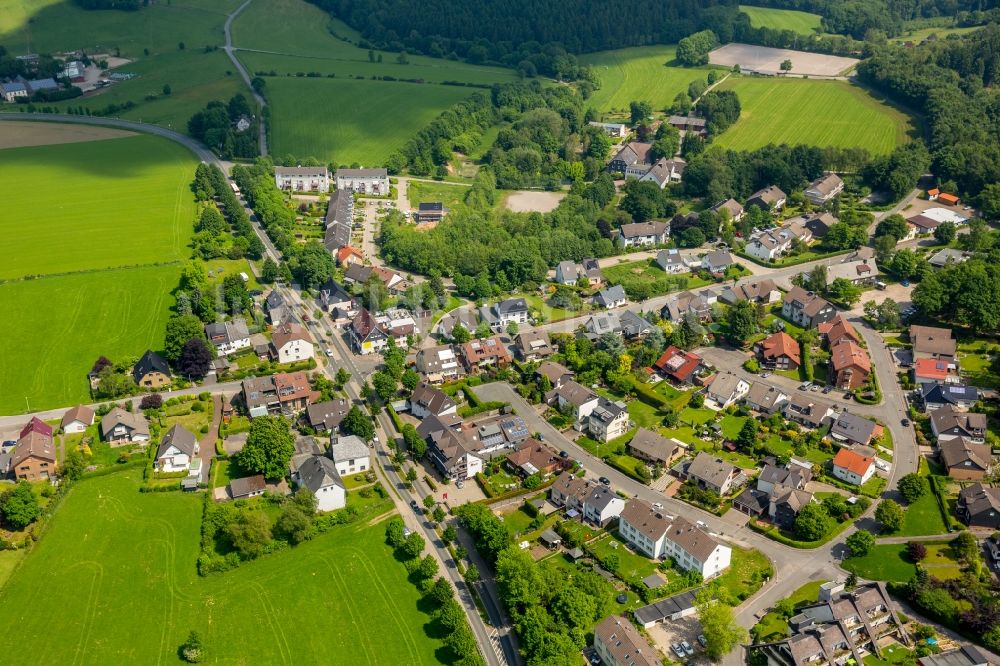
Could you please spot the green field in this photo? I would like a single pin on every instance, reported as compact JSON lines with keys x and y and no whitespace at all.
{"x":418,"y":192}
{"x":118,"y":202}
{"x":639,"y":73}
{"x":61,"y":325}
{"x":349,"y":121}
{"x":889,"y":562}
{"x":817,"y":113}
{"x":802,"y":23}
{"x":113,"y":581}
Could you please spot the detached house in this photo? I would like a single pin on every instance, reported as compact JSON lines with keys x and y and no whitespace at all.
{"x":859,"y":273}
{"x":824,"y":189}
{"x":121,"y":427}
{"x":578,"y":400}
{"x":533,"y":457}
{"x":663,"y":172}
{"x":852,"y":467}
{"x":608,"y":420}
{"x":533,"y":346}
{"x":319,"y":475}
{"x":849,"y":365}
{"x":556,"y":373}
{"x":730,"y":208}
{"x":176,"y":451}
{"x":456,"y":455}
{"x":678,"y":365}
{"x":965,"y":460}
{"x":714,"y":474}
{"x":292,"y":342}
{"x":806,"y":309}
{"x":780,"y":351}
{"x":485,"y":353}
{"x":671,"y":261}
{"x":770,"y":244}
{"x":502,"y":314}
{"x":726,"y":389}
{"x":979,"y":506}
{"x":949,"y":423}
{"x":761,"y":291}
{"x":936,"y":396}
{"x":765,"y":398}
{"x":630,"y":155}
{"x":768,"y":199}
{"x":151,"y":371}
{"x":780,"y":493}
{"x":33,"y":457}
{"x":281,"y":393}
{"x":654,"y":448}
{"x":275,"y":308}
{"x":717,"y":261}
{"x":807,"y":411}
{"x":77,"y":419}
{"x":854,"y":429}
{"x":612,"y":297}
{"x":838,"y":329}
{"x":618,"y":643}
{"x":328,"y":415}
{"x":349,"y":455}
{"x":934,"y":343}
{"x":426,"y":400}
{"x":439,"y":364}
{"x":228,"y":337}
{"x":643,"y":234}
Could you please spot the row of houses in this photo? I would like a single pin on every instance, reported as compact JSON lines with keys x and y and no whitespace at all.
{"x":317,"y":179}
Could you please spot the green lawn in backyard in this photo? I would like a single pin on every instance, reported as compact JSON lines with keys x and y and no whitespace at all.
{"x":745,"y":574}
{"x":772,"y":626}
{"x":122,"y":202}
{"x":218,"y":269}
{"x":889,"y":562}
{"x":731,"y":425}
{"x":125,"y":565}
{"x":893,"y":654}
{"x":367,"y":126}
{"x":632,"y":566}
{"x":645,"y":416}
{"x":923,"y":517}
{"x":419,"y":191}
{"x":976,"y":359}
{"x":647,"y":273}
{"x":118,"y":314}
{"x":675,"y":397}
{"x":517,"y":521}
{"x":549,"y":313}
{"x":812,"y":112}
{"x":223,"y":471}
{"x":640,"y":73}
{"x":802,"y":23}
{"x":696,"y":416}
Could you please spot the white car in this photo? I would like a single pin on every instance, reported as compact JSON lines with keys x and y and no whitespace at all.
{"x":657,"y":505}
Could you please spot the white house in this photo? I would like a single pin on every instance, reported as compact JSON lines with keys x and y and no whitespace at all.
{"x":568,"y":272}
{"x":726,"y":389}
{"x":671,"y":261}
{"x":601,"y":505}
{"x":641,"y":234}
{"x":427,"y":400}
{"x":656,"y":535}
{"x":349,"y":455}
{"x":176,"y":451}
{"x":302,"y":179}
{"x":292,"y":342}
{"x":578,"y":400}
{"x":824,"y":188}
{"x":367,"y":181}
{"x":319,"y":474}
{"x":11,"y":91}
{"x":717,"y":261}
{"x":228,"y":337}
{"x":608,"y":420}
{"x":769,"y":244}
{"x":77,"y":419}
{"x":853,"y":467}
{"x":614,"y":130}
{"x":502,"y":314}
{"x":612,"y":297}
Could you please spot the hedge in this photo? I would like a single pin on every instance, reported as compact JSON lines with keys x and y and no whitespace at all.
{"x":396,"y":421}
{"x":772,"y":532}
{"x":796,"y":262}
{"x":937,"y":488}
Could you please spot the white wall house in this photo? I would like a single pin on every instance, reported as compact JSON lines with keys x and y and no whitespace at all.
{"x":302,"y":179}
{"x":292,"y":342}
{"x":318,"y":474}
{"x":349,"y":455}
{"x":367,"y":181}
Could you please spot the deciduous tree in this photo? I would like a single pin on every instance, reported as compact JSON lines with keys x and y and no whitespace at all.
{"x":269,"y":447}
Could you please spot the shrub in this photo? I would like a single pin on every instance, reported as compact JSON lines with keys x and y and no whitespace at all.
{"x":151,"y":401}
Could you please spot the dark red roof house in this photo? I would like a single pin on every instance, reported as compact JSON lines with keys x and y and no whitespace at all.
{"x":677,"y":364}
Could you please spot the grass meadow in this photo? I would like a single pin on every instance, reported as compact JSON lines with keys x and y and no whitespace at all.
{"x":130,"y":560}
{"x":116,"y":202}
{"x":640,"y":73}
{"x":817,"y":113}
{"x":349,"y":121}
{"x":802,"y":23}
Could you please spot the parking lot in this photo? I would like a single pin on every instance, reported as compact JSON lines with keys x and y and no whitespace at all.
{"x":683,"y":631}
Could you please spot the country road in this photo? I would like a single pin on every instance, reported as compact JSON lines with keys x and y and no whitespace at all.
{"x":229,"y":49}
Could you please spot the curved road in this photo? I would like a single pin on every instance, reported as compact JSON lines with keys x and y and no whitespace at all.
{"x":228,"y":48}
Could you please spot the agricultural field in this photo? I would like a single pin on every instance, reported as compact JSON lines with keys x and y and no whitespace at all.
{"x":349,"y":121}
{"x":640,"y":73}
{"x":121,"y":202}
{"x":817,"y":113}
{"x":133,"y":557}
{"x":802,"y":23}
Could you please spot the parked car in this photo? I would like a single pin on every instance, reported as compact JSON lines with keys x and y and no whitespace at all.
{"x":564,"y":454}
{"x":688,"y":650}
{"x":827,"y":389}
{"x":765,"y":375}
{"x":702,"y":640}
{"x":678,"y":650}
{"x":657,"y":505}
{"x":906,"y":423}
{"x":804,"y":386}
{"x":814,"y":388}
{"x":605,"y":480}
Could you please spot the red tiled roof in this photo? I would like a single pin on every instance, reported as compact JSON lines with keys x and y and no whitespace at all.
{"x":838,"y":328}
{"x":853,"y":462}
{"x":948,"y":198}
{"x":677,"y":363}
{"x":931,"y":368}
{"x":36,"y":425}
{"x":781,"y":344}
{"x":846,"y":354}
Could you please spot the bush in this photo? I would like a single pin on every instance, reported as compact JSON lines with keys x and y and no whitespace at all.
{"x":151,"y":401}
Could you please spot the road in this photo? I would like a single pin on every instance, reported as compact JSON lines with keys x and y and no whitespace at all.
{"x":230,"y":51}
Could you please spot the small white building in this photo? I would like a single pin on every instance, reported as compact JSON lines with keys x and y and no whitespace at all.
{"x":176,"y":451}
{"x":77,"y":419}
{"x":614,"y":130}
{"x":302,"y":179}
{"x":853,"y":467}
{"x":319,"y":475}
{"x":366,"y":181}
{"x":349,"y":455}
{"x":228,"y":337}
{"x":292,"y":342}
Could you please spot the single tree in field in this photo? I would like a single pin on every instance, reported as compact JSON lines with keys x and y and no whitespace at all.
{"x":786,"y":66}
{"x":192,"y":650}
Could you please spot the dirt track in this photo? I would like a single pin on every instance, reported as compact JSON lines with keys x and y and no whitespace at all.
{"x":17,"y":134}
{"x":529,"y":201}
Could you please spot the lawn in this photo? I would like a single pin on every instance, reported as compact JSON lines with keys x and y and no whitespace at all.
{"x":640,"y":73}
{"x":976,"y":358}
{"x":923,"y":517}
{"x":695,"y":416}
{"x":125,"y":563}
{"x":731,"y":425}
{"x":889,"y":562}
{"x":118,"y":314}
{"x":549,"y":313}
{"x":773,"y":626}
{"x":632,"y":567}
{"x":418,"y":192}
{"x":818,"y":113}
{"x":121,"y":202}
{"x":367,"y":125}
{"x":647,"y":276}
{"x":802,"y":23}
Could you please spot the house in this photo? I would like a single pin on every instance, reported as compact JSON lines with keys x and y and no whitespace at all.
{"x":33,"y":457}
{"x":602,"y":323}
{"x":398,"y":325}
{"x":807,"y":411}
{"x":533,"y":457}
{"x":13,"y":90}
{"x":77,"y":419}
{"x":430,"y":211}
{"x":949,"y":423}
{"x":327,"y":416}
{"x":618,"y":643}
{"x":965,"y":460}
{"x":556,"y":373}
{"x":569,"y":491}
{"x":849,"y":365}
{"x":228,"y":337}
{"x":837,"y":330}
{"x":671,"y":261}
{"x":292,"y":342}
{"x":608,"y":420}
{"x":678,"y":365}
{"x":839,"y":630}
{"x":818,"y":224}
{"x":765,"y":398}
{"x":121,"y":427}
{"x":761,"y":291}
{"x":657,"y":535}
{"x":654,"y":448}
{"x":852,"y":467}
{"x":247,"y":487}
{"x":275,"y":308}
{"x":686,"y":302}
{"x":333,"y":298}
{"x":631,"y":154}
{"x":614,"y":130}
{"x":574,"y":399}
{"x":859,"y":273}
{"x":768,"y":199}
{"x":349,"y":455}
{"x":611,"y":297}
{"x":366,"y":181}
{"x":426,"y":400}
{"x":769,"y":244}
{"x":281,"y":393}
{"x":320,"y":476}
{"x":931,"y":372}
{"x":854,"y":429}
{"x":780,"y":351}
{"x":633,"y":326}
{"x":730,"y":208}
{"x":36,"y":425}
{"x":726,"y":389}
{"x":568,"y":272}
{"x":464,"y":317}
{"x":780,"y":493}
{"x":177,"y":449}
{"x":439,"y":364}
{"x":151,"y":371}
{"x":824,"y":188}
{"x":933,"y":342}
{"x":928,"y":220}
{"x":348,"y":256}
{"x":339,"y":221}
{"x":367,"y":337}
{"x":592,"y":269}
{"x":806,"y":309}
{"x":663,"y":172}
{"x":714,"y":474}
{"x":601,"y":505}
{"x":500,"y":315}
{"x":979,"y":506}
{"x":717,"y":261}
{"x":302,"y":179}
{"x":936,"y":396}
{"x":643,"y":234}
{"x":949,"y":257}
{"x":964,"y":655}
{"x":455,"y":454}
{"x":485,"y":353}
{"x":533,"y":346}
